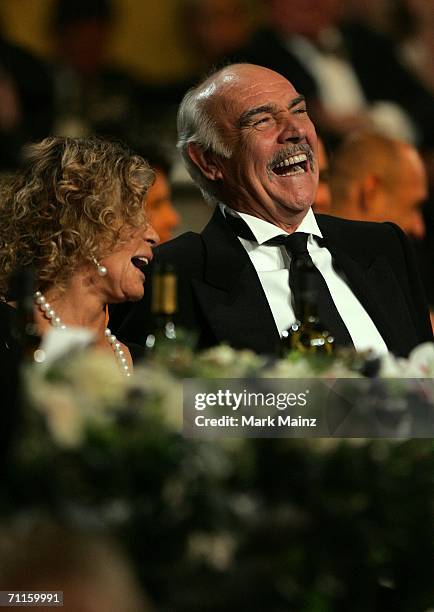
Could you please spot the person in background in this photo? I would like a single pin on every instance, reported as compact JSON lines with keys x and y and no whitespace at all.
{"x":323,"y":197}
{"x":349,"y":73}
{"x":91,"y":95}
{"x":376,"y":178}
{"x":212,"y":32}
{"x":75,"y":213}
{"x":162,"y":214}
{"x":215,"y":29}
{"x":26,"y":102}
{"x":415,"y":38}
{"x":426,"y":248}
{"x":411,"y":26}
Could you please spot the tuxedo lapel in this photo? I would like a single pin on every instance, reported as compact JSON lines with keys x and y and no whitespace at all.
{"x":361,"y":280}
{"x":231,"y":295}
{"x":373,"y":282}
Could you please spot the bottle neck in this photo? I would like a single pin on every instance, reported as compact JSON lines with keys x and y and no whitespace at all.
{"x":307,"y":303}
{"x":164,"y":297}
{"x":308,"y":311}
{"x":163,"y":307}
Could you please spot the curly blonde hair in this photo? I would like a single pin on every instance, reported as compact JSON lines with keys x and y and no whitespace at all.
{"x":69,"y":205}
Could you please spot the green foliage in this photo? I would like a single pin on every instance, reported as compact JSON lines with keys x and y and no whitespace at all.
{"x":235,"y":524}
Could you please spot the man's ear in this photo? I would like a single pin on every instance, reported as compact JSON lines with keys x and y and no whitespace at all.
{"x":371,"y":184}
{"x":370,"y":188}
{"x":205,"y":161}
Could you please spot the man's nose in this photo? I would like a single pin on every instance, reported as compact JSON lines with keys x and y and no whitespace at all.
{"x":291,"y":130}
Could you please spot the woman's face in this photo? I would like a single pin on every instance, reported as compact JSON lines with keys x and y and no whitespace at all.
{"x":126,"y":265}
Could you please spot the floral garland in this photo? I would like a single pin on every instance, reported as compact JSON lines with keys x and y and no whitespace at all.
{"x":87,"y":389}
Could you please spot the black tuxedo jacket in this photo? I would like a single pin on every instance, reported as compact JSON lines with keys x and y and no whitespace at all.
{"x":221,"y":298}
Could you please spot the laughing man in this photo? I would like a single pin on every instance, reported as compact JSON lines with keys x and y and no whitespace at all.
{"x":249,"y":144}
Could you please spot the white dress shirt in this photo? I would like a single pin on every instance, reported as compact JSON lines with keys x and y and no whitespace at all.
{"x":272,"y":266}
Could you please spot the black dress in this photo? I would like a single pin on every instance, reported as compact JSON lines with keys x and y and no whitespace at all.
{"x":9,"y":379}
{"x":9,"y":346}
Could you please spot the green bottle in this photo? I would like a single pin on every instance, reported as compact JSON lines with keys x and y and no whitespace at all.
{"x":307,"y":335}
{"x":163,"y":307}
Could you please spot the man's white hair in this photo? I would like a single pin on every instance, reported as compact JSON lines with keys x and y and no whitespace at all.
{"x":197,"y":125}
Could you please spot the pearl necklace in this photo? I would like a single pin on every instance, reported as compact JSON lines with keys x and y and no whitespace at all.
{"x":55,"y":321}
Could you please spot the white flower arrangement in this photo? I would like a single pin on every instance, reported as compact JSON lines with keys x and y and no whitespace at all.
{"x":87,"y":389}
{"x":420,"y":364}
{"x":74,"y":393}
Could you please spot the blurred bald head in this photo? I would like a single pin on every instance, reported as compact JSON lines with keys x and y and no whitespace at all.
{"x":376,"y":178}
{"x":90,"y":569}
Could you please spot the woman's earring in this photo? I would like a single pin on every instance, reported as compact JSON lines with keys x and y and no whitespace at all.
{"x":102,"y":270}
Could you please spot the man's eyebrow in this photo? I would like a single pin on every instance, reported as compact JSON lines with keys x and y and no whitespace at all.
{"x":258,"y":110}
{"x":265,"y":108}
{"x":296,"y":101}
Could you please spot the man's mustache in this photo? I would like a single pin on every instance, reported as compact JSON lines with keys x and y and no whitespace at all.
{"x":291,"y":150}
